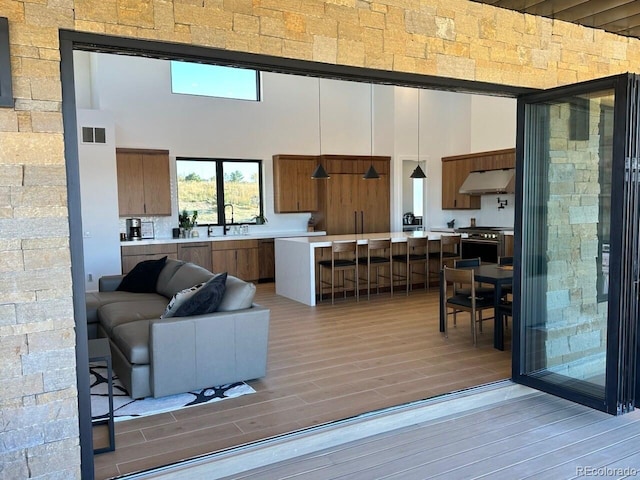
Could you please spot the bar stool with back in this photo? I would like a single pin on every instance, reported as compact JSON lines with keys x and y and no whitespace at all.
{"x":450,"y":250}
{"x":378,"y":256}
{"x":417,"y":254}
{"x":337,"y":264}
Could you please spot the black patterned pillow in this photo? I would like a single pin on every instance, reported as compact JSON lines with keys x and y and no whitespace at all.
{"x":206,"y":299}
{"x":179,"y":299}
{"x":143,"y":278}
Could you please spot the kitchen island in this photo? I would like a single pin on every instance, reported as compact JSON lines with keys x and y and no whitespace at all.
{"x":296,"y":259}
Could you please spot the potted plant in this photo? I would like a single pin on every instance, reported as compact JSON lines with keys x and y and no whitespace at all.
{"x":260,"y":219}
{"x":187,"y":222}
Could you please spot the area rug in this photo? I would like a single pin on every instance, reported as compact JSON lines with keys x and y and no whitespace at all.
{"x":126,"y":407}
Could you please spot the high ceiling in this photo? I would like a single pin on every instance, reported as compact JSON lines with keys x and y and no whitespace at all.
{"x":616,"y":16}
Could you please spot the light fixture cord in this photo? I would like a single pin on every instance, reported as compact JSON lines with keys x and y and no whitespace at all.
{"x":371,"y":115}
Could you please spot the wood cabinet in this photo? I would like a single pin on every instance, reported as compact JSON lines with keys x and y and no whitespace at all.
{"x":236,"y":257}
{"x":131,"y":255}
{"x":143,"y":182}
{"x":294,"y":189}
{"x":455,"y":170}
{"x":347,"y":202}
{"x":196,"y":252}
{"x":266,"y":260}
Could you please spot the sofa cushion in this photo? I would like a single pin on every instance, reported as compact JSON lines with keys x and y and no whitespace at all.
{"x":238,"y":295}
{"x":171,"y":266}
{"x":206,"y":299}
{"x":143,"y":278}
{"x":186,"y":276}
{"x":119,"y":313}
{"x":133,"y":341}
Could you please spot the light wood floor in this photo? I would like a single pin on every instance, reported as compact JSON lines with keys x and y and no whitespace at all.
{"x":326,"y":363}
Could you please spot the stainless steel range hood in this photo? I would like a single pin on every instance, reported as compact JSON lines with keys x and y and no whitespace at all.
{"x":489,"y":181}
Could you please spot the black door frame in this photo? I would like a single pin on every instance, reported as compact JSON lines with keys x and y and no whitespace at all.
{"x":71,"y":40}
{"x":616,"y":401}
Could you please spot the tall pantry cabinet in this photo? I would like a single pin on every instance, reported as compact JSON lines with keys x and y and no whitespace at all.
{"x":347,"y":203}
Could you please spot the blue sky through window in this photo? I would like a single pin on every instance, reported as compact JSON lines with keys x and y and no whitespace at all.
{"x":214,"y":81}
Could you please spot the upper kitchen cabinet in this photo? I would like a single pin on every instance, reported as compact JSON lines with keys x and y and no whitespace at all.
{"x":293,"y":187}
{"x":456,"y":169}
{"x":143,"y":182}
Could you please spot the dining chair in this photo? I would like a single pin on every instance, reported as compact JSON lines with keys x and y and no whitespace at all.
{"x":417,"y":254}
{"x":338,"y":263}
{"x":469,"y":302}
{"x":378,"y":257}
{"x":480,"y":289}
{"x":506,"y":261}
{"x":450,"y":250}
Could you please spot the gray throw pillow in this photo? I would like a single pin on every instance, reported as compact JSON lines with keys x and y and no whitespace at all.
{"x":206,"y":299}
{"x":179,"y":299}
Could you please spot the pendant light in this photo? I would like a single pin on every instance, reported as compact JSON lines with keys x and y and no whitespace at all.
{"x":418,"y":172}
{"x":319,"y":173}
{"x":371,"y":173}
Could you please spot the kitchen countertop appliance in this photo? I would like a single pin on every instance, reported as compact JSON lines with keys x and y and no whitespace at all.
{"x":484,"y":242}
{"x":134,"y":229}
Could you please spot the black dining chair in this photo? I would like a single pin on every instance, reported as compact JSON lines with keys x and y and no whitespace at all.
{"x":468,"y":300}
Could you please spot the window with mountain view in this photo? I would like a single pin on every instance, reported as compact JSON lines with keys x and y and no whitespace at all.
{"x":208,"y":185}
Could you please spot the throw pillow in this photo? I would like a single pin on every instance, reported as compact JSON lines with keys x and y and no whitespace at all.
{"x":143,"y":278}
{"x":179,"y":299}
{"x":206,"y":299}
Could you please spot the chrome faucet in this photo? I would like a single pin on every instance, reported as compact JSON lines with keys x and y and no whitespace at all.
{"x":225,"y":229}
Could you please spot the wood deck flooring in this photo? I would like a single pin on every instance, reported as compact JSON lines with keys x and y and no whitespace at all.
{"x":536,"y":436}
{"x":326,"y":363}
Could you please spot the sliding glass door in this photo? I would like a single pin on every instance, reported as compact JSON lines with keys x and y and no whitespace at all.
{"x":576,"y":282}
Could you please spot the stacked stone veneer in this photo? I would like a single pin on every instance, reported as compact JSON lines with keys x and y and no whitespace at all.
{"x":449,"y":38}
{"x":575,"y":330}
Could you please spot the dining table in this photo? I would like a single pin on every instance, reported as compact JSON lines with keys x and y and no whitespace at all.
{"x":493,"y":274}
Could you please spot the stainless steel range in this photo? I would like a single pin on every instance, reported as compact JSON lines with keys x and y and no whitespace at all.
{"x":484,"y":242}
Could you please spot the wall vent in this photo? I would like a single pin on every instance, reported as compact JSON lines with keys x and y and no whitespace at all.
{"x":94,"y":135}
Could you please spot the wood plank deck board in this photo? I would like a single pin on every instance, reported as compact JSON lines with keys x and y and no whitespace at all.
{"x":546,"y":438}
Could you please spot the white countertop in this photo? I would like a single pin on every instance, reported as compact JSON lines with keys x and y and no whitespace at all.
{"x":396,"y":237}
{"x":220,"y":238}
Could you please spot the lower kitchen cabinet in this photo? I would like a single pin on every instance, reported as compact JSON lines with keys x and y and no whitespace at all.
{"x":133,"y":254}
{"x":197,"y":252}
{"x":236,"y":257}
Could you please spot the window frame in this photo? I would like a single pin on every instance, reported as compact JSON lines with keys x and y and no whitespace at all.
{"x":6,"y":88}
{"x":219,"y":169}
{"x":258,"y":84}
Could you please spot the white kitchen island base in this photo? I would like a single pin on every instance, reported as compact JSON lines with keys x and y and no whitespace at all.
{"x":295,"y":260}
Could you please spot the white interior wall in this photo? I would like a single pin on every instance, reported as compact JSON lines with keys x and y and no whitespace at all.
{"x":147,"y":115}
{"x":99,"y":199}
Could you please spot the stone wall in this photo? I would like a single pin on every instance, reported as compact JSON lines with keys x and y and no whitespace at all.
{"x":576,"y":321}
{"x":449,"y":38}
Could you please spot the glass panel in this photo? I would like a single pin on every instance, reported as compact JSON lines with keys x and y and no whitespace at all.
{"x":242,"y":190}
{"x":214,"y":81}
{"x":565,"y":240}
{"x":197,"y":189}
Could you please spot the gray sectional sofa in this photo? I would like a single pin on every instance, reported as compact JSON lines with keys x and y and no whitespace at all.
{"x":156,"y":356}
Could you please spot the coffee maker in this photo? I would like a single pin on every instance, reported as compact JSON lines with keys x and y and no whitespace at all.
{"x":134,"y":228}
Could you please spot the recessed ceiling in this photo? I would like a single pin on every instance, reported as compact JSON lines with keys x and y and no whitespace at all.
{"x":621,"y":17}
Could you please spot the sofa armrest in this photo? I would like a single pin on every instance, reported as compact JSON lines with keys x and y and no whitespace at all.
{"x":109,"y":283}
{"x":189,"y":353}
